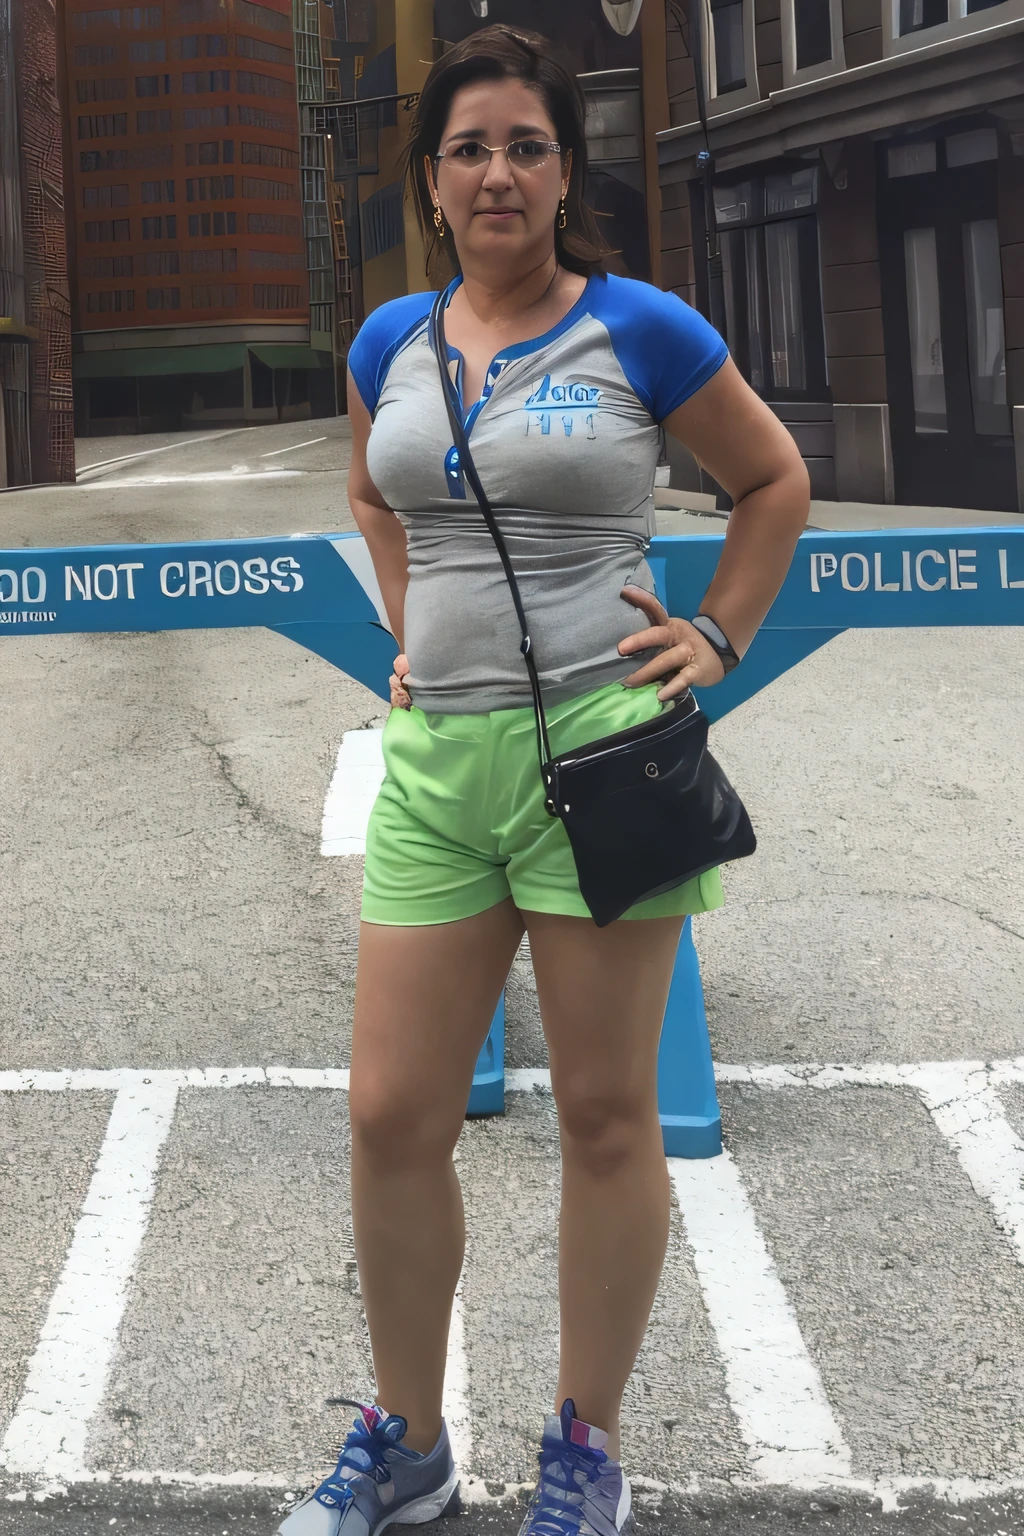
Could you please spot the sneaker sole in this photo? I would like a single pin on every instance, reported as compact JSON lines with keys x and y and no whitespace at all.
{"x":431,"y":1507}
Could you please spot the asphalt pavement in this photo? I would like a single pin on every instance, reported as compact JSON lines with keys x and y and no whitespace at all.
{"x":838,"y":1341}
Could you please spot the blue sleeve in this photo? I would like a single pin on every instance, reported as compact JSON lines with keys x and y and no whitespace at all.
{"x":666,"y":349}
{"x":383,"y":334}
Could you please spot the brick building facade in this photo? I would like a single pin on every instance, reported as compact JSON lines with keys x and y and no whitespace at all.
{"x":191,"y":294}
{"x":36,"y":435}
{"x":868,"y":197}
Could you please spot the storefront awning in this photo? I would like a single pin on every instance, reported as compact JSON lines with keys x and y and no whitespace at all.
{"x":146,"y":362}
{"x":283,"y":355}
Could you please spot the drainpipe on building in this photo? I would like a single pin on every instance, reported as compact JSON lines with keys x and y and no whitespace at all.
{"x":706,"y":166}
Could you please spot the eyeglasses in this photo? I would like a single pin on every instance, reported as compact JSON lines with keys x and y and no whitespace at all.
{"x":521,"y":154}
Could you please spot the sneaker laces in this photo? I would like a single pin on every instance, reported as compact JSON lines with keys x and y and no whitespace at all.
{"x":566,"y":1470}
{"x":363,"y":1455}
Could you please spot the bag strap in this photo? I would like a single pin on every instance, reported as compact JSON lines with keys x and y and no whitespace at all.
{"x":468,"y":468}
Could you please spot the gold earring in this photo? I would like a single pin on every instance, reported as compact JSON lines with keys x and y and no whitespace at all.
{"x":439,"y":221}
{"x":561,"y":214}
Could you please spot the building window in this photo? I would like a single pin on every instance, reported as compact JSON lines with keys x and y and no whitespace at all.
{"x":211,"y":224}
{"x":84,"y":21}
{"x":270,"y":154}
{"x":208,"y":189}
{"x":730,"y":69}
{"x":192,"y":11}
{"x":163,"y":298}
{"x":274,"y":191}
{"x":107,"y":229}
{"x":105,"y":197}
{"x":153,"y":122}
{"x":160,"y":227}
{"x":276,"y":261}
{"x":908,"y":24}
{"x":101,"y":90}
{"x":159,"y":264}
{"x":261,"y":16}
{"x":259,"y":117}
{"x":198,"y":82}
{"x":206,"y":117}
{"x":103,"y":159}
{"x":215,"y":296}
{"x":769,"y":239}
{"x":152,"y":51}
{"x":251,"y":84}
{"x":158,"y":191}
{"x":253,"y":48}
{"x":121,"y":16}
{"x":272,"y":224}
{"x":275,"y":295}
{"x":105,"y":125}
{"x":918,"y":15}
{"x":812,"y":40}
{"x":113,"y":302}
{"x":106,"y":266}
{"x":223,"y":260}
{"x":95,"y":53}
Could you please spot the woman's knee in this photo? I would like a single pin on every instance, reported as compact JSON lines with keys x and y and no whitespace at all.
{"x":399,"y":1127}
{"x":604,"y":1122}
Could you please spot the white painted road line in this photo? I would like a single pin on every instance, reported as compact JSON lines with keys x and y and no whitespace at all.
{"x":126,"y":458}
{"x":774,"y":1387}
{"x":358,"y":775}
{"x":205,"y":477}
{"x":455,"y":1402}
{"x":291,"y":449}
{"x":67,"y":1374}
{"x":967,"y":1111}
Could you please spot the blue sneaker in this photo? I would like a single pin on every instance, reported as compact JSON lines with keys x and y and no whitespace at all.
{"x":378,"y":1481}
{"x":581,"y":1491}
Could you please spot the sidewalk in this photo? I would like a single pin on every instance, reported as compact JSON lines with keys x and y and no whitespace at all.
{"x":692,"y":512}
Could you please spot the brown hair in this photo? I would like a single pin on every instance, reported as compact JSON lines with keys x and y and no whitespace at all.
{"x":505,"y":53}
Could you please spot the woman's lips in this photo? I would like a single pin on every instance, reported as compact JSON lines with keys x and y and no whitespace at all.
{"x":498,"y":213}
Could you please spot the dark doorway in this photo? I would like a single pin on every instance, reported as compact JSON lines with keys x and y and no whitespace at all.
{"x":942,"y":307}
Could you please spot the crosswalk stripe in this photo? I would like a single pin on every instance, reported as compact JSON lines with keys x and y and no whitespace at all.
{"x":68,"y":1371}
{"x":774,"y":1387}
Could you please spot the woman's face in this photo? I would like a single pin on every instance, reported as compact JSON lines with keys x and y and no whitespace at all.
{"x":498,"y":212}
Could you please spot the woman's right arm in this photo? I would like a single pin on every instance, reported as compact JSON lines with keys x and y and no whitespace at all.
{"x":382,"y":530}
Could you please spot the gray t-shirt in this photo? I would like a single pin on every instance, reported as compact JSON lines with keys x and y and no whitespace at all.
{"x":565,"y":440}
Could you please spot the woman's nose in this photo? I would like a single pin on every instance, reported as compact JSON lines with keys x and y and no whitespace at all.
{"x":499,"y":172}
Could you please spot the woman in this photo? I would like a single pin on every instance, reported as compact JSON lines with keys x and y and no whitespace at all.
{"x":461,"y":855}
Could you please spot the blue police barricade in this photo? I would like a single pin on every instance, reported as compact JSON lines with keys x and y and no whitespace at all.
{"x":320,"y":591}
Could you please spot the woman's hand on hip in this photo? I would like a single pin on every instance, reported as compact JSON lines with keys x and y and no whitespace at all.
{"x":400,"y":696}
{"x":686,"y":659}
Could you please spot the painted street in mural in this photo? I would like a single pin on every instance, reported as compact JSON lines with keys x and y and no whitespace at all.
{"x":838,"y":1341}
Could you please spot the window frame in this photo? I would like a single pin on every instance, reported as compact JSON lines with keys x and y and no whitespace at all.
{"x":744,"y":95}
{"x":818,"y":389}
{"x":793,"y":76}
{"x":960,"y":24}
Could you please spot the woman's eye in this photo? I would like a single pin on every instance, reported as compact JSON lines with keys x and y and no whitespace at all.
{"x":468,"y":151}
{"x":530,"y":149}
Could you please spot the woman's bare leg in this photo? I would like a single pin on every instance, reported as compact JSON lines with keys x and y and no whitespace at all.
{"x":602,"y":994}
{"x":425,"y":997}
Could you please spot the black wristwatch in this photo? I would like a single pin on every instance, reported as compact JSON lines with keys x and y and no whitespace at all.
{"x":717,"y":640}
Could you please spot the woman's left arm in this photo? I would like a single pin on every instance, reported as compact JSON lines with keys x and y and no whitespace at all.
{"x":739,"y":440}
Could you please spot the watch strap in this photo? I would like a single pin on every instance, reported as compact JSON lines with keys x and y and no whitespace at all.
{"x":717,"y":639}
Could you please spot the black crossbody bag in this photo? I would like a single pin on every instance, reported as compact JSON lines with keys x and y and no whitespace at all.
{"x":645,"y":809}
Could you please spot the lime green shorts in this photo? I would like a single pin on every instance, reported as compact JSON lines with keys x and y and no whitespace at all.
{"x":459,"y":823}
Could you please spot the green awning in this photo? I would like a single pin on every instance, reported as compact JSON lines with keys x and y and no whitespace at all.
{"x":145,"y":362}
{"x":282,"y":355}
